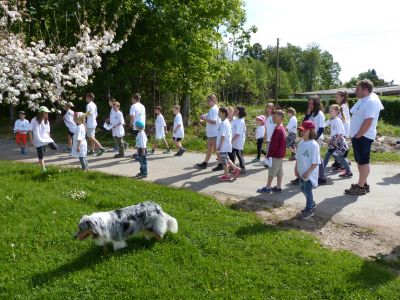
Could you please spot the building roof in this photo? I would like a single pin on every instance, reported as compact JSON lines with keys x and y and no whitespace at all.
{"x":380,"y":90}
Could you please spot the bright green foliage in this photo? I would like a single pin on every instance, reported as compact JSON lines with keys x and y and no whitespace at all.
{"x":217,"y":253}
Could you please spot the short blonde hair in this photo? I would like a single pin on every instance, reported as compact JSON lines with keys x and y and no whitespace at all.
{"x":177,"y":107}
{"x":291,"y":110}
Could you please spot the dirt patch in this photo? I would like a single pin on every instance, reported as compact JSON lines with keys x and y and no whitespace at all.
{"x":373,"y":243}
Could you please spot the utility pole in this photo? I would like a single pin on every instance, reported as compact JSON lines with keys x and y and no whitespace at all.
{"x":277,"y":73}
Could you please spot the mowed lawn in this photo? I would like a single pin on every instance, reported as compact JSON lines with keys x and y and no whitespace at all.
{"x":217,"y":253}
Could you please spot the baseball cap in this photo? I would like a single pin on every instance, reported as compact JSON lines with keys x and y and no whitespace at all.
{"x":261,"y":118}
{"x":139,"y":124}
{"x":44,"y":109}
{"x":306,"y":125}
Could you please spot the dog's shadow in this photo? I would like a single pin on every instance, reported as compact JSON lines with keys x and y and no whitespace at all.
{"x":94,"y":256}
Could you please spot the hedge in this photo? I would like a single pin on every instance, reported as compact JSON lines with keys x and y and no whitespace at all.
{"x":391,"y":113}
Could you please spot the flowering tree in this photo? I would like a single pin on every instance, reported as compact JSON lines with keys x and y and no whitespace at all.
{"x":35,"y":73}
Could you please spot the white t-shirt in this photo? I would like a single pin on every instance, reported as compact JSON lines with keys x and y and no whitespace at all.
{"x":112,"y":111}
{"x":79,"y":135}
{"x":138,"y":111}
{"x":260,"y":132}
{"x":212,"y":129}
{"x":368,"y":107}
{"x":69,"y":120}
{"x":225,"y":130}
{"x":336,"y":125}
{"x":180,"y":133}
{"x":269,"y":127}
{"x":117,"y":120}
{"x":40,"y":133}
{"x":319,"y":121}
{"x":141,"y":140}
{"x":21,"y":126}
{"x":292,"y":125}
{"x":91,"y":110}
{"x":160,"y":127}
{"x":306,"y":155}
{"x":238,"y":127}
{"x":346,"y":123}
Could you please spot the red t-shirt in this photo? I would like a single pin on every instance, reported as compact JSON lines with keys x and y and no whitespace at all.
{"x":277,"y":146}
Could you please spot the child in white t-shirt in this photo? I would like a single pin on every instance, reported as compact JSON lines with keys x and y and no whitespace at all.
{"x":238,"y":137}
{"x":69,"y":123}
{"x":224,"y":146}
{"x":337,"y":145}
{"x":307,"y":160}
{"x":269,"y":130}
{"x":39,"y":134}
{"x":79,"y":143}
{"x":21,"y":128}
{"x":161,"y":129}
{"x":178,"y":131}
{"x":291,"y":132}
{"x":118,"y":132}
{"x":260,"y":133}
{"x":141,"y":146}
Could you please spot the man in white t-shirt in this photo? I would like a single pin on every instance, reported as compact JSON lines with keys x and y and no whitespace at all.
{"x":137,"y":113}
{"x":212,"y":123}
{"x":91,"y":124}
{"x":364,"y":120}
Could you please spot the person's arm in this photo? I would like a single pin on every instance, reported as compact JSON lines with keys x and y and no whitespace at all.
{"x":31,"y":138}
{"x":364,"y":127}
{"x":177,"y":127}
{"x":236,"y":136}
{"x":212,"y":122}
{"x":220,"y":143}
{"x":309,"y":170}
{"x":165,"y":129}
{"x":296,"y":172}
{"x":320,"y":131}
{"x":78,"y":146}
{"x":338,"y":137}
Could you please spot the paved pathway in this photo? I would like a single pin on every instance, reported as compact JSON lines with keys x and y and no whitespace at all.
{"x":380,"y":208}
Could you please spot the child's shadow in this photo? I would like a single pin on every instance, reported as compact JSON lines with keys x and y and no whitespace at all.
{"x":95,"y":255}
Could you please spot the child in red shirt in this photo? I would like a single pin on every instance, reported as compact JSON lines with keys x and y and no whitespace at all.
{"x":277,"y":151}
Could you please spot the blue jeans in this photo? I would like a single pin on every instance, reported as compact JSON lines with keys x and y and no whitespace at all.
{"x":340,"y":159}
{"x":306,"y":189}
{"x":143,"y":162}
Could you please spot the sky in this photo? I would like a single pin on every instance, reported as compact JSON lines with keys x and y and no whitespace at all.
{"x":360,"y":34}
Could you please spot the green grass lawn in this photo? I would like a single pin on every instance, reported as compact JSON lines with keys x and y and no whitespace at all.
{"x":217,"y":253}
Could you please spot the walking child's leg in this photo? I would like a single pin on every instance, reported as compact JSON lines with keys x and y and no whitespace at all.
{"x":269,"y":181}
{"x":166,"y":143}
{"x":309,"y":196}
{"x":279,"y":181}
{"x":259,"y":147}
{"x":231,"y":155}
{"x":121,"y":149}
{"x":343,"y":162}
{"x":327,"y":157}
{"x":81,"y":160}
{"x":240,"y":158}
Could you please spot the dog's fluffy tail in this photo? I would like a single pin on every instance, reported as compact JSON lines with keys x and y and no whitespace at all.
{"x":172,"y":224}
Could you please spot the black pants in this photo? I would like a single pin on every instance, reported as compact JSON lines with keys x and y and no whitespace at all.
{"x":259,"y":148}
{"x":239,"y":154}
{"x":40,"y":150}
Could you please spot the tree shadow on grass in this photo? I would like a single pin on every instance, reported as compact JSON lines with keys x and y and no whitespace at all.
{"x":92,"y":257}
{"x":371,"y":275}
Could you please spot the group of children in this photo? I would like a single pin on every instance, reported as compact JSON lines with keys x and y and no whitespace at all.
{"x":230,"y":139}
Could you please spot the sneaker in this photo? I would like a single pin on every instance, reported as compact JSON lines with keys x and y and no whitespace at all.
{"x":335,"y":166}
{"x":183,"y":150}
{"x":346,"y":175}
{"x":306,"y":214}
{"x":312,"y":207}
{"x":152,"y":151}
{"x":118,"y":155}
{"x":243,"y":171}
{"x":134,"y":156}
{"x":295,"y":181}
{"x":264,"y":190}
{"x":219,"y":167}
{"x":276,"y":189}
{"x":126,"y":146}
{"x":67,"y":150}
{"x":167,"y":151}
{"x":224,"y":178}
{"x":356,"y":190}
{"x":255,"y":160}
{"x":203,"y":165}
{"x":101,"y":151}
{"x":321,"y":181}
{"x":91,"y":152}
{"x":292,"y":158}
{"x":140,"y":176}
{"x":236,"y":174}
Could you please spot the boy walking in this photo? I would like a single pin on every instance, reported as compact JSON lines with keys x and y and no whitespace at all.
{"x":161,"y":129}
{"x":178,"y":130}
{"x":118,"y":131}
{"x":277,"y":151}
{"x":141,"y":146}
{"x":292,"y":132}
{"x":91,"y":124}
{"x":21,"y":128}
